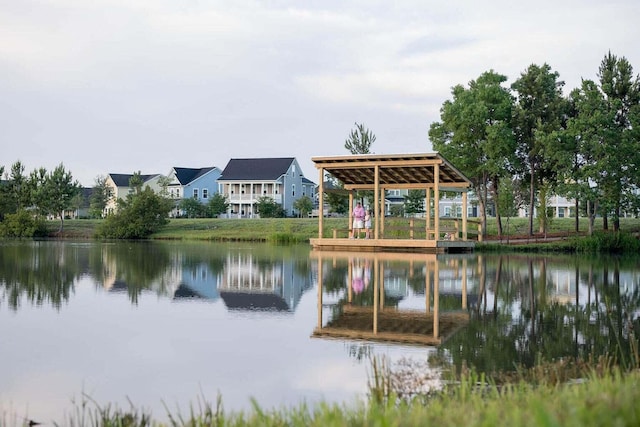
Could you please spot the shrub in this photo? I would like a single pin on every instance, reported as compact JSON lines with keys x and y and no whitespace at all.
{"x":22,"y":224}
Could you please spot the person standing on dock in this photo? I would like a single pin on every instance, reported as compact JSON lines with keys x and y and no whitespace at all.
{"x":358,"y":221}
{"x":367,"y":224}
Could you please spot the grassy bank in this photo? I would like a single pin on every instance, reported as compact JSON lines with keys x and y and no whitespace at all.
{"x":596,"y":401}
{"x":302,"y":229}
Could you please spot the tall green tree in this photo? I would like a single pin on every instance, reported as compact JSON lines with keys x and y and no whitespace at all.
{"x":360,"y":140}
{"x":218,"y":204}
{"x":99,"y":197}
{"x":19,"y":192}
{"x":136,"y":182}
{"x":539,"y":113}
{"x":60,"y":189}
{"x":414,"y":202}
{"x":618,"y":153}
{"x":475,"y":135}
{"x":138,"y":216}
{"x":304,"y":206}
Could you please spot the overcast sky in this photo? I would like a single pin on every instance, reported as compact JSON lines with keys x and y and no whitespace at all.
{"x":117,"y":86}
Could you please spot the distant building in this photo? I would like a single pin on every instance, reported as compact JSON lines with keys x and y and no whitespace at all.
{"x":245,"y":181}
{"x":118,"y":187}
{"x":197,"y":183}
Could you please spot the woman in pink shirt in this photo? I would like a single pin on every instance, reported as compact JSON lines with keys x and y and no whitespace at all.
{"x":358,"y":220}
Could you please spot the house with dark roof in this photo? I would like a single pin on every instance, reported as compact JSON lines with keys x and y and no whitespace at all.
{"x":198,"y":183}
{"x":118,"y":187}
{"x":245,"y":181}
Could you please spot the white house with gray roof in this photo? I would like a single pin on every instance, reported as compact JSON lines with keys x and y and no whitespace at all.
{"x":245,"y":181}
{"x":118,"y":187}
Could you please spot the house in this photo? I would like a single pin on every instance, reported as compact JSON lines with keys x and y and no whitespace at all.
{"x":198,"y":183}
{"x":118,"y":186}
{"x":245,"y":181}
{"x":82,"y":207}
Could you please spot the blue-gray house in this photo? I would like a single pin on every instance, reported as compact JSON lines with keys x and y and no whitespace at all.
{"x":198,"y":183}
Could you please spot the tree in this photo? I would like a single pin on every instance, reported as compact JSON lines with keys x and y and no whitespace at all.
{"x":218,"y":204}
{"x":359,"y":140}
{"x":4,"y":198}
{"x":192,"y":208}
{"x":335,"y":195}
{"x":475,"y":134}
{"x":18,"y":192}
{"x":163,"y":183}
{"x":61,"y":189}
{"x":136,"y":182}
{"x":99,"y":197}
{"x":414,"y":202}
{"x":618,"y":154}
{"x":304,"y":206}
{"x":268,"y":208}
{"x":138,"y":216}
{"x":538,"y":114}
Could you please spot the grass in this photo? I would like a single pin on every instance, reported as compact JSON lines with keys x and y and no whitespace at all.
{"x":296,"y":230}
{"x":599,"y":400}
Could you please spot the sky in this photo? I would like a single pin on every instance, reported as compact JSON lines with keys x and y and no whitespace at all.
{"x":120,"y":86}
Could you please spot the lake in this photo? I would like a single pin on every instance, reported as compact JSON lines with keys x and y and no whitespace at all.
{"x":167,"y":325}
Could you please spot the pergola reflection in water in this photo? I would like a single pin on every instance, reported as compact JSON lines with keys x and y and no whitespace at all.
{"x":378,"y":317}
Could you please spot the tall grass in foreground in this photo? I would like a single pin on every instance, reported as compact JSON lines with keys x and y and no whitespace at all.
{"x":604,"y":400}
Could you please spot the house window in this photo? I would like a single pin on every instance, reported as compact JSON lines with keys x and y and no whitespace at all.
{"x":293,"y":190}
{"x":447,"y":211}
{"x":195,"y":193}
{"x":205,"y":193}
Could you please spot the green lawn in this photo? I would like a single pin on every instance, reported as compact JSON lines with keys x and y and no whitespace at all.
{"x":302,"y":229}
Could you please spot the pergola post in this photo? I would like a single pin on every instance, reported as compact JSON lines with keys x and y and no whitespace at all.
{"x":376,"y":201}
{"x":436,"y":200}
{"x":428,"y":214}
{"x":321,"y":203}
{"x":464,"y":215}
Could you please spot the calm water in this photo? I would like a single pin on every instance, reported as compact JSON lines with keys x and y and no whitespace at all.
{"x":172,"y":324}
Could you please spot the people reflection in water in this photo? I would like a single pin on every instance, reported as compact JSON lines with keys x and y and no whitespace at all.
{"x":361,"y":274}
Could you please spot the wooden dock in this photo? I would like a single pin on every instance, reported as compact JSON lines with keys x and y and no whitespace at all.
{"x":393,"y":245}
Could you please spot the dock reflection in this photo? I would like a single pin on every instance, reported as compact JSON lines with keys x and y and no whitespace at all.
{"x":368,"y":306}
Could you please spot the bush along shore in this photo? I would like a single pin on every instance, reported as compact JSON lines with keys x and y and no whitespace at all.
{"x":560,"y":237}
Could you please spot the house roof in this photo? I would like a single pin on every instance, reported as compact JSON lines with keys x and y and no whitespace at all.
{"x":394,"y":170}
{"x":266,"y":169}
{"x":251,"y":301}
{"x":305,"y":180}
{"x":187,"y":175}
{"x":122,"y":179}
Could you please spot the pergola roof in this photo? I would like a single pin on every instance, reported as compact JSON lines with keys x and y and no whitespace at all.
{"x":394,"y":170}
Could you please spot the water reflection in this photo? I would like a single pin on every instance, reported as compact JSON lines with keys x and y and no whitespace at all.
{"x":364,"y":293}
{"x":493,"y":312}
{"x":548,"y":308}
{"x":246,"y":278}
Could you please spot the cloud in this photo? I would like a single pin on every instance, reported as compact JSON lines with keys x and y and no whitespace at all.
{"x":153,"y":82}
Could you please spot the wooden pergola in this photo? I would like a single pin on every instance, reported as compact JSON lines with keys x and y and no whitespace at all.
{"x":376,"y":172}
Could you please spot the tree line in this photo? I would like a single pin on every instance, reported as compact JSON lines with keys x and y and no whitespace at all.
{"x":26,"y":201}
{"x":520,"y":144}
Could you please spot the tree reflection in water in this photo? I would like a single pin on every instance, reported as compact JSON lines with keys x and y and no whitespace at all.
{"x":544,"y":309}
